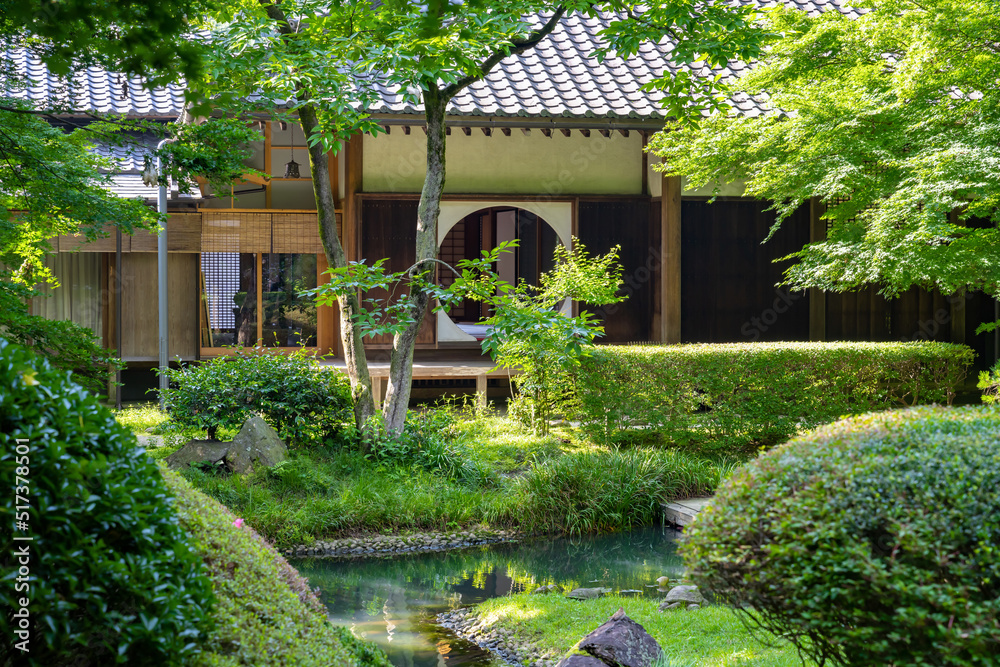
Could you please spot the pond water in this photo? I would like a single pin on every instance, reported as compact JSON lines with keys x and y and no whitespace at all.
{"x":394,"y":601}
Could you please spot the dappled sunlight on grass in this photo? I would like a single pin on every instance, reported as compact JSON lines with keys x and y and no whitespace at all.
{"x":709,"y":637}
{"x":137,"y":418}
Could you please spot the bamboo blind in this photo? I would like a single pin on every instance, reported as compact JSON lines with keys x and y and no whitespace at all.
{"x":265,"y":232}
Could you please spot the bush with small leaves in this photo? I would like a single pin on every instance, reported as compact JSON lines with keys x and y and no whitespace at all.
{"x":112,"y":580}
{"x":301,"y":399}
{"x":871,"y":541}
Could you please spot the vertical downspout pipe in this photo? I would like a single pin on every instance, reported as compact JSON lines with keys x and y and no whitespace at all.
{"x":161,"y":269}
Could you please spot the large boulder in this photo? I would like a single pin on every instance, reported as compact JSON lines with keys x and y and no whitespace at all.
{"x":198,"y":451}
{"x":587,"y":593}
{"x":621,"y":642}
{"x":580,"y":660}
{"x":256,"y":443}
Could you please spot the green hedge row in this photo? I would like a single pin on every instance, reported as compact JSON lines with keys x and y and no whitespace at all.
{"x":742,"y":396}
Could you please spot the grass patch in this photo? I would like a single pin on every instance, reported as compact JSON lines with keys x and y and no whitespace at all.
{"x":554,"y":483}
{"x":709,"y":637}
{"x":138,"y":418}
{"x":265,"y":613}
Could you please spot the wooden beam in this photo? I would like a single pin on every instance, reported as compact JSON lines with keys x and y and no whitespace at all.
{"x":506,"y":131}
{"x":267,"y":163}
{"x":547,"y":131}
{"x":624,"y":133}
{"x":387,"y":128}
{"x":327,"y":317}
{"x":605,"y":133}
{"x":487,"y":131}
{"x":406,"y":130}
{"x":526,"y":131}
{"x":467,"y":131}
{"x":670,"y":250}
{"x":817,"y":298}
{"x":353,"y":187}
{"x":585,"y":133}
{"x":567,"y":132}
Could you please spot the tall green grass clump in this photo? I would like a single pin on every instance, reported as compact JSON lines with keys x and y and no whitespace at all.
{"x":605,"y":490}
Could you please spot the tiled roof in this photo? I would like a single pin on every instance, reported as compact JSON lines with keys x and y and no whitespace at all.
{"x":559,"y":78}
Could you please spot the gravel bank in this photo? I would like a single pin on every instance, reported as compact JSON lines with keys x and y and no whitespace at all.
{"x":375,"y":546}
{"x":504,"y":643}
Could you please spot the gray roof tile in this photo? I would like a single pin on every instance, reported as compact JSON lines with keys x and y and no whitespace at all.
{"x":558,"y":79}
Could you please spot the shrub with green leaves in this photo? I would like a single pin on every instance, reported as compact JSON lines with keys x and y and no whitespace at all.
{"x":743,"y":396}
{"x":112,"y":580}
{"x":871,"y":541}
{"x":302,"y":400}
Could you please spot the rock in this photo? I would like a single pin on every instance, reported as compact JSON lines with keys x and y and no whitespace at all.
{"x":667,"y":606}
{"x":196,"y":451}
{"x":255,"y":443}
{"x":587,"y":593}
{"x":689,"y":594}
{"x":580,"y":660}
{"x":552,"y":588}
{"x":663,"y":581}
{"x":692,"y":607}
{"x":629,"y":591}
{"x":621,"y":642}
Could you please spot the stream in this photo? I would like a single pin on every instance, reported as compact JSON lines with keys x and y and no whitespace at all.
{"x":394,"y":601}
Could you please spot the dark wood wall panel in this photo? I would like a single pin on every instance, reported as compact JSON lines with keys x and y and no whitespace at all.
{"x":389,"y":230}
{"x":728,"y":277}
{"x":604,"y":224}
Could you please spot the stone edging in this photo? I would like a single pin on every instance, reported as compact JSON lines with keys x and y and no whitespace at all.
{"x":503,"y":643}
{"x":382,"y":546}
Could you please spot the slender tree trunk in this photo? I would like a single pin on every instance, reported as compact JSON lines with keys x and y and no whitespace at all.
{"x":350,"y":305}
{"x":397,"y":395}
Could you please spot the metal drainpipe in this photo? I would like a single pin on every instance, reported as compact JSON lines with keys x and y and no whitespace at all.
{"x":161,"y":271}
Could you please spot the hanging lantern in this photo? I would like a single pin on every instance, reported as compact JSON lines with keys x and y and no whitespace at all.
{"x":292,"y":167}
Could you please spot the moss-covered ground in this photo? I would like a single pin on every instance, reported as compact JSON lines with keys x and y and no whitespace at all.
{"x":264,"y":612}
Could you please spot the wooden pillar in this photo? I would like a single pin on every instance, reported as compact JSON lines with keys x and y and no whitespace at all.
{"x":481,"y":385}
{"x":267,"y":164}
{"x":352,"y":204}
{"x":670,"y":250}
{"x":817,"y":298}
{"x":327,"y":317}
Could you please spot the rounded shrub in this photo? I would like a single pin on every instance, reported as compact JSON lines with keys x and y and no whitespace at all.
{"x":108,"y":577}
{"x":871,"y":541}
{"x":299,"y":398}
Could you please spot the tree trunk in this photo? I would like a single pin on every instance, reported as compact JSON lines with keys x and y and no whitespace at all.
{"x":397,"y":395}
{"x":350,"y":305}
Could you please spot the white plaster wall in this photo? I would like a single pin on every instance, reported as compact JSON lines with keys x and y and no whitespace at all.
{"x":734,"y":189}
{"x":518,"y":164}
{"x":559,"y":215}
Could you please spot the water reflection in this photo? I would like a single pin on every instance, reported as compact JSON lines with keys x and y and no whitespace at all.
{"x":394,"y":601}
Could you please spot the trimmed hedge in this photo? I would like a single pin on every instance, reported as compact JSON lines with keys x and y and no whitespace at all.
{"x":266,"y":613}
{"x":872,"y":541}
{"x":110,"y":577}
{"x":302,"y":400}
{"x":743,"y":396}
